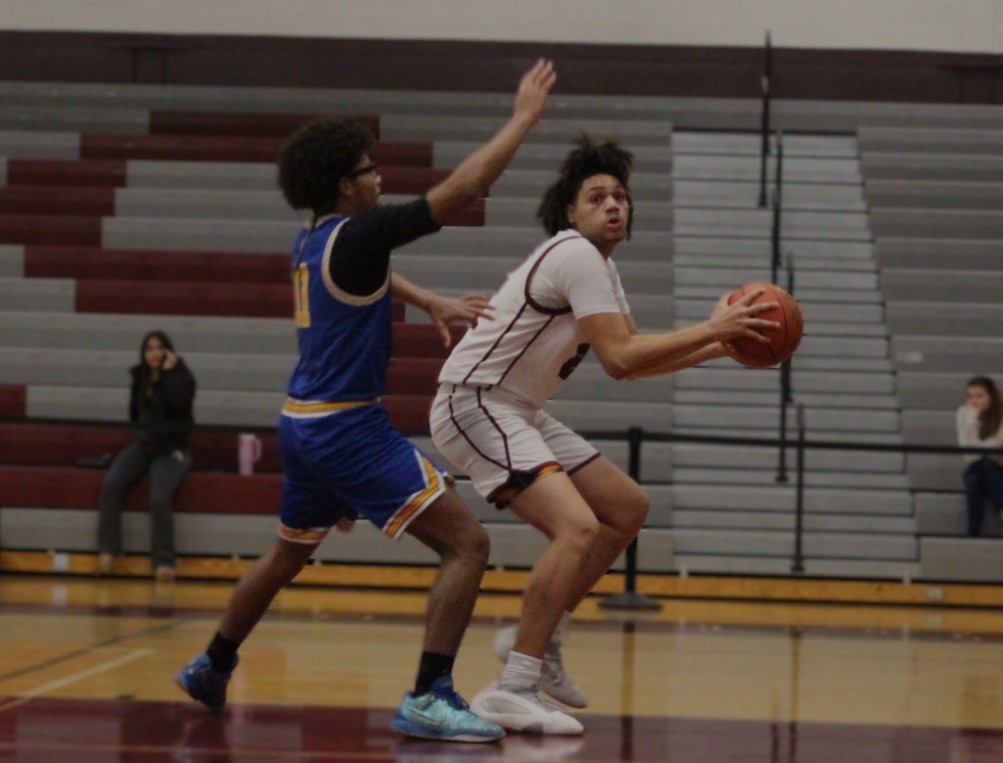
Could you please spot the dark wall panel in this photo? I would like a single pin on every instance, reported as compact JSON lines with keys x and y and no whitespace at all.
{"x":615,"y":69}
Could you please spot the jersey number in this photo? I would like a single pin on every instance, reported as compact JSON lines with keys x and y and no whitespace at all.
{"x":572,"y":363}
{"x":301,"y":291}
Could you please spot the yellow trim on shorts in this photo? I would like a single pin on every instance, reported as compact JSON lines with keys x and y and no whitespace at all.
{"x":407,"y":512}
{"x":317,"y":407}
{"x":310,"y":535}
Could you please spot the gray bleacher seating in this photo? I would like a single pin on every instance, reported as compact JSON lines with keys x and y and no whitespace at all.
{"x":931,"y":177}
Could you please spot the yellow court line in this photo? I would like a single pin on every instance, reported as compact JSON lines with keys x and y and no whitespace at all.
{"x":74,"y":677}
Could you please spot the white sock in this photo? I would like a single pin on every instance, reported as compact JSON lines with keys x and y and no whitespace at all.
{"x":558,"y":637}
{"x":521,"y":671}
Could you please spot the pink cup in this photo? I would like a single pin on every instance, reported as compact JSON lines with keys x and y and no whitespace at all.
{"x":248,"y":453}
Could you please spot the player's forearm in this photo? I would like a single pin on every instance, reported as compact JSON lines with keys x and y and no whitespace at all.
{"x":410,"y":293}
{"x":703,"y":355}
{"x":647,"y":354}
{"x":475,"y":174}
{"x":483,"y":167}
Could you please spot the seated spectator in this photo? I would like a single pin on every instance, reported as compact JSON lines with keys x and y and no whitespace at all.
{"x":160,"y":408}
{"x":979,"y":426}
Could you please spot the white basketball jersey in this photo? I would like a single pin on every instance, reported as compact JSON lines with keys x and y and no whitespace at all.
{"x":534,"y":342}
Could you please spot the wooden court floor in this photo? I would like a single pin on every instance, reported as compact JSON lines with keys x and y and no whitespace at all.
{"x":86,"y":666}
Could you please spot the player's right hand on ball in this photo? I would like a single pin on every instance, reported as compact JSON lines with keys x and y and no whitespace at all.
{"x":739,"y":318}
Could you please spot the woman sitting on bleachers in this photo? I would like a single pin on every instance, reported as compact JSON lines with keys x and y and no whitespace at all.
{"x":979,"y":426}
{"x":160,"y":408}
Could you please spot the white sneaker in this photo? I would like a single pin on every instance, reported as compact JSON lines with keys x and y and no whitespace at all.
{"x":521,"y":709}
{"x":554,"y":681}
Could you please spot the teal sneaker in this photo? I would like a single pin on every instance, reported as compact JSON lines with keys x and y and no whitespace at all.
{"x":442,"y":714}
{"x":203,"y":683}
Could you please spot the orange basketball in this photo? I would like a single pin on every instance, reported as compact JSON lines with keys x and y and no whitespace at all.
{"x":784,"y":340}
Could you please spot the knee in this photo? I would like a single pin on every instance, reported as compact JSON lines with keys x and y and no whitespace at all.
{"x":472,"y":545}
{"x":630,"y":513}
{"x":112,"y":488}
{"x":477,"y":547}
{"x":636,"y":507}
{"x":581,"y":534}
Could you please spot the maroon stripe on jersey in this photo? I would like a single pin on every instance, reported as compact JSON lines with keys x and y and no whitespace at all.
{"x":532,"y":272}
{"x":493,"y":347}
{"x":482,"y":454}
{"x":523,"y":352}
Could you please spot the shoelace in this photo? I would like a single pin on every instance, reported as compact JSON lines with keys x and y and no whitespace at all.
{"x":454,"y":700}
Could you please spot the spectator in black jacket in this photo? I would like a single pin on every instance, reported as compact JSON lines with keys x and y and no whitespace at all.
{"x":160,"y":408}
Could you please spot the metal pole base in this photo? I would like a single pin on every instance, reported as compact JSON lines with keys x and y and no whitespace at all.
{"x":629,"y":600}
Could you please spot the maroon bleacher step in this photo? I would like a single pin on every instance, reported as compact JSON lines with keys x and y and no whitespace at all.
{"x":224,"y":123}
{"x":185,"y":298}
{"x":66,"y":173}
{"x":49,"y":230}
{"x":40,"y":200}
{"x":141,"y":264}
{"x":202,"y":492}
{"x":13,"y":400}
{"x":214,"y":148}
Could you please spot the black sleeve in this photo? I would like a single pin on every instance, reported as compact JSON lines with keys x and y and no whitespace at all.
{"x":361,"y":255}
{"x":178,"y":391}
{"x":134,"y":394}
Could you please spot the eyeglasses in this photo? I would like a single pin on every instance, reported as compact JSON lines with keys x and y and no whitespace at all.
{"x":369,"y":168}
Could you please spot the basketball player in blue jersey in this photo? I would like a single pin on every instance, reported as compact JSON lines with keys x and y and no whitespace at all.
{"x":342,"y":457}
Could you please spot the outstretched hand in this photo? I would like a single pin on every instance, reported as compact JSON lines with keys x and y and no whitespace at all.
{"x":467,"y":309}
{"x":531,"y":98}
{"x":739,"y":318}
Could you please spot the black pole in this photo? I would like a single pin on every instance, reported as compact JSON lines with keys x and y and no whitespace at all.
{"x":764,"y":85}
{"x":798,"y":564}
{"x":778,"y":203}
{"x":785,"y":393}
{"x":630,"y":598}
{"x":787,"y":363}
{"x":786,"y":389}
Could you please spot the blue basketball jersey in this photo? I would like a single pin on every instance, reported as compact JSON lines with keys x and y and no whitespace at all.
{"x":344,"y":340}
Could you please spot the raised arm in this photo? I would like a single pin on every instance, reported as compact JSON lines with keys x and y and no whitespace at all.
{"x":477,"y":172}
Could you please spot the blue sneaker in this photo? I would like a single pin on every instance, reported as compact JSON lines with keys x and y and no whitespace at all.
{"x":442,"y":714}
{"x":203,"y":683}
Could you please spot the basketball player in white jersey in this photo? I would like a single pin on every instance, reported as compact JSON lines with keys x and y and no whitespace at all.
{"x":489,"y":419}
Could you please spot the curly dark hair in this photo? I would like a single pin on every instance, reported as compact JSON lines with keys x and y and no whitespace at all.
{"x":316,"y":158}
{"x":588,"y":159}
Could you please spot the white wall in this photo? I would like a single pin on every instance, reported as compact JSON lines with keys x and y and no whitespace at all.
{"x":945,"y":25}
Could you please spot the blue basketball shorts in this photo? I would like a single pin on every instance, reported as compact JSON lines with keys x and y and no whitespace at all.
{"x":348,"y":463}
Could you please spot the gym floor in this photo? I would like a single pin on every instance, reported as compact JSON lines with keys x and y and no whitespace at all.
{"x":86,"y":671}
